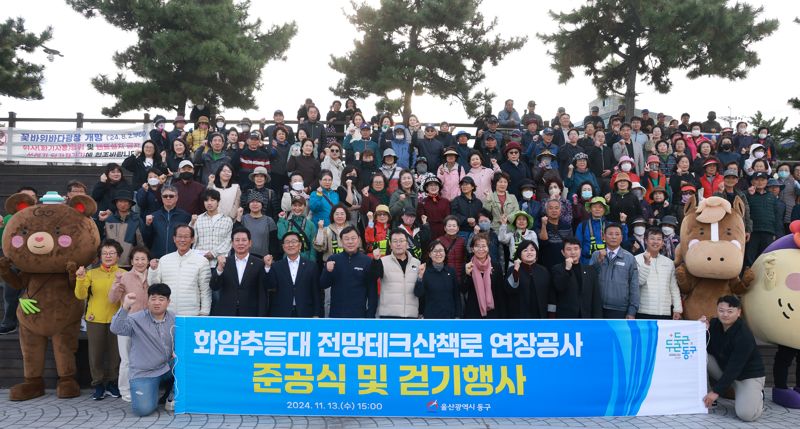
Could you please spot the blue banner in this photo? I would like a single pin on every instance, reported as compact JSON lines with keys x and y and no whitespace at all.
{"x":439,"y":368}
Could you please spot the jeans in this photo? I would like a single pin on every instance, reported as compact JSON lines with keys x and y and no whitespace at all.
{"x":10,"y":301}
{"x":144,"y":393}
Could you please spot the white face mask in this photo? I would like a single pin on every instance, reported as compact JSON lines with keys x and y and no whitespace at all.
{"x":695,"y":133}
{"x":668,"y":230}
{"x":297,"y":186}
{"x":200,"y":106}
{"x":758,"y":154}
{"x":527,"y":194}
{"x":220,"y":124}
{"x":742,"y":130}
{"x":626,"y":167}
{"x":153,"y":181}
{"x":638,"y":230}
{"x":762,"y":136}
{"x":555,"y":191}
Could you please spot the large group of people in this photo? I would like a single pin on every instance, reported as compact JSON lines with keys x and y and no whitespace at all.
{"x":362,"y":218}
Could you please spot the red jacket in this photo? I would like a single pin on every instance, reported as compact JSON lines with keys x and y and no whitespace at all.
{"x":436,"y":211}
{"x":710,"y":187}
{"x":456,"y":249}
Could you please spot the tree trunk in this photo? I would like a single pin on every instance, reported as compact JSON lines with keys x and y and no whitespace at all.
{"x":630,"y":91}
{"x":181,"y":110}
{"x":407,"y":94}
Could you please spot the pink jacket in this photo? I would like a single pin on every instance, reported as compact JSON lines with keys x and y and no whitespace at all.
{"x":130,"y":282}
{"x":483,"y":180}
{"x":450,"y":179}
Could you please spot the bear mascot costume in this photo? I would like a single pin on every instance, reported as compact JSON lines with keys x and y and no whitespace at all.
{"x":44,"y":244}
{"x":709,"y":258}
{"x":772,"y":308}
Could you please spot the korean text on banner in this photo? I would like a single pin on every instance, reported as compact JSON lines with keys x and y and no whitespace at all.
{"x":442,"y":368}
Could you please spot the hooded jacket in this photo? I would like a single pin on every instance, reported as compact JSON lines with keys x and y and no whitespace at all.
{"x":406,"y":154}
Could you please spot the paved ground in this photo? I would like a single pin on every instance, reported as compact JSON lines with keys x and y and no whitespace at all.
{"x":48,"y":412}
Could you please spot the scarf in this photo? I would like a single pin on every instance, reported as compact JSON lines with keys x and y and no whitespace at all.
{"x":437,"y":267}
{"x":483,"y":284}
{"x":382,"y":196}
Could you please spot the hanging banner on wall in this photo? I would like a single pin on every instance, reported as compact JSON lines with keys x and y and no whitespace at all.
{"x":84,"y":146}
{"x":441,"y":368}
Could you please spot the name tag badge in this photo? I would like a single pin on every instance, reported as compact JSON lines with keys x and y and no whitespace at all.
{"x":619,"y":263}
{"x":358,"y":268}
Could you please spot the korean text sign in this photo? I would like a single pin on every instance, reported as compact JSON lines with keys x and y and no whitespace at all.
{"x":441,"y":368}
{"x":82,"y":146}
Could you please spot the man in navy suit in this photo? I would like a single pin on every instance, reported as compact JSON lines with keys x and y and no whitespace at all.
{"x":353,"y":295}
{"x":242,"y":282}
{"x":293,"y":282}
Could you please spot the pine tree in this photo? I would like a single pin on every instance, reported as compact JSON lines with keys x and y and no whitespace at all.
{"x":436,"y":47}
{"x":205,"y":51}
{"x":618,"y":41}
{"x":20,"y":78}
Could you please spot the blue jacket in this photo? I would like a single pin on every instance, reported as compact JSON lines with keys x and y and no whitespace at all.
{"x":158,"y":235}
{"x":619,"y":281}
{"x":320,"y":207}
{"x":352,"y":295}
{"x":406,"y":155}
{"x":577,"y":178}
{"x":583,"y":234}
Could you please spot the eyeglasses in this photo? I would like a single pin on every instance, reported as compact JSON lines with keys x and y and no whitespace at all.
{"x":291,"y":242}
{"x":513,"y":152}
{"x":334,"y":150}
{"x":168,"y":196}
{"x":108,"y":254}
{"x":437,"y":251}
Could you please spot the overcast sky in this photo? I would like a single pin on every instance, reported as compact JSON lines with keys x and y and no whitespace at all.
{"x":88,"y":46}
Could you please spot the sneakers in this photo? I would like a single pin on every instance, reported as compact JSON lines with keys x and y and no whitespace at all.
{"x":7,"y":330}
{"x":126,"y":398}
{"x":112,"y":390}
{"x":170,"y":405}
{"x":99,"y":393}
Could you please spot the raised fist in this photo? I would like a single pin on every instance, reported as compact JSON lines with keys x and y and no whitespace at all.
{"x":503,"y":218}
{"x":211,"y":178}
{"x":81,"y":272}
{"x":421,"y":270}
{"x":370,"y":216}
{"x":402,"y":197}
{"x":517,"y":263}
{"x":424,"y":219}
{"x":221,"y":259}
{"x":321,"y":224}
{"x":568,"y":264}
{"x":103,"y":177}
{"x":268,"y":261}
{"x":103,"y":215}
{"x":148,"y":220}
{"x":623,"y":217}
{"x":468,"y":267}
{"x":330,"y":265}
{"x":282,"y":215}
{"x":376,"y":253}
{"x":154,"y":264}
{"x":194,"y":219}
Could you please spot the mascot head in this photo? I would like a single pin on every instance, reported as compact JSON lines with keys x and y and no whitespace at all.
{"x":772,"y":302}
{"x":712,"y":238}
{"x":42,"y":238}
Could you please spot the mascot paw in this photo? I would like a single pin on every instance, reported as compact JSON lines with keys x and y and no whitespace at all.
{"x":31,"y":388}
{"x":72,"y":267}
{"x":67,"y":387}
{"x":787,"y":397}
{"x":5,"y":263}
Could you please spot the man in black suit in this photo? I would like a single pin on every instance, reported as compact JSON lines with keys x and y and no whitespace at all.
{"x":577,"y":286}
{"x":242,"y":282}
{"x":293,"y":282}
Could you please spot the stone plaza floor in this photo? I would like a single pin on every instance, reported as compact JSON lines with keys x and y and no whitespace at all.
{"x":83,"y":412}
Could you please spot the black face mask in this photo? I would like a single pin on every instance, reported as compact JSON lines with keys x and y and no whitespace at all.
{"x":726,"y":147}
{"x":186,"y":175}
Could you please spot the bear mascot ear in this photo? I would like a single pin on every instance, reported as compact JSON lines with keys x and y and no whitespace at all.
{"x":738,"y":206}
{"x":690,"y":206}
{"x":84,"y":204}
{"x":18,"y":202}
